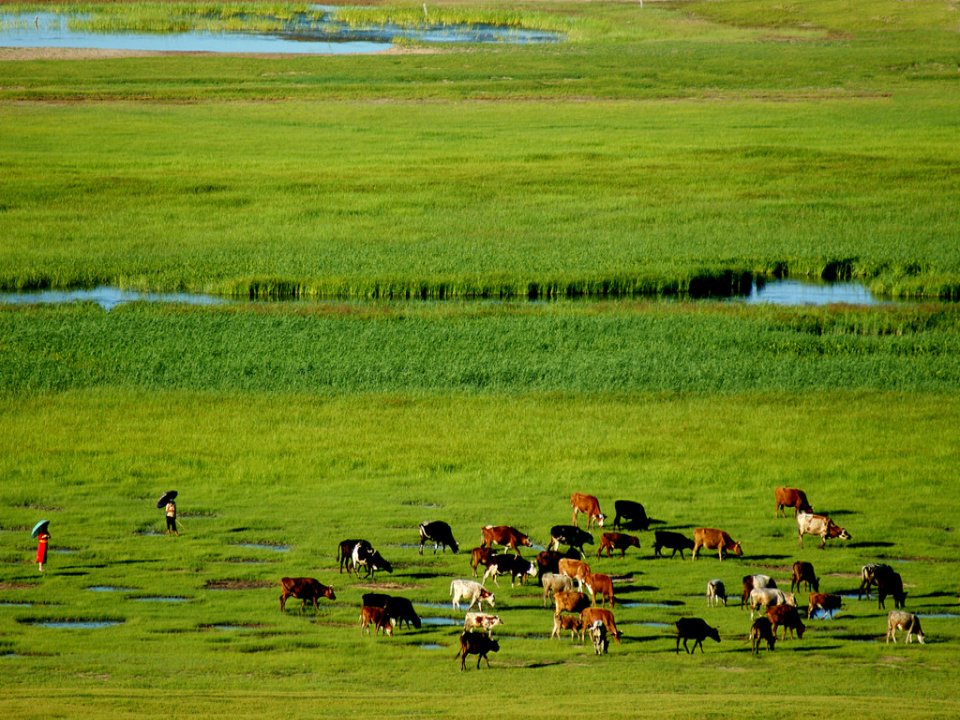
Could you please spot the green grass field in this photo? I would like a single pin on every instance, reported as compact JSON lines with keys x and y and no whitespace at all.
{"x":654,"y":151}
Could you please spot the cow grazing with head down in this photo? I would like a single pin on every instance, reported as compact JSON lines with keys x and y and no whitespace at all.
{"x":891,"y":585}
{"x":803,"y":574}
{"x":826,"y":602}
{"x":572,"y":623}
{"x":762,"y":630}
{"x":399,"y":609}
{"x":632,"y":513}
{"x":512,"y":565}
{"x":571,"y":536}
{"x":695,"y":629}
{"x":377,"y":617}
{"x":793,"y":498}
{"x":505,"y":536}
{"x":809,"y":524}
{"x":304,"y":589}
{"x":478,"y":644}
{"x":472,"y":591}
{"x":905,"y":621}
{"x":370,"y":560}
{"x":672,"y":541}
{"x":598,"y":634}
{"x":868,"y":577}
{"x":716,"y":593}
{"x":589,"y":616}
{"x":617,"y":541}
{"x":787,"y":617}
{"x":480,"y":556}
{"x":577,"y":569}
{"x":438,"y":532}
{"x":752,"y":582}
{"x":481,"y":622}
{"x":589,"y":506}
{"x":713,"y":539}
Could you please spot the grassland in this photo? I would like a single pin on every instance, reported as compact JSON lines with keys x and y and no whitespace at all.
{"x":654,"y":151}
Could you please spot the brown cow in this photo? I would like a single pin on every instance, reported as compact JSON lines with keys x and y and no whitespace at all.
{"x":478,"y":644}
{"x":791,"y":497}
{"x":788,"y":617}
{"x":570,"y":601}
{"x":590,"y":615}
{"x":480,"y":556}
{"x":713,"y":539}
{"x":602,"y":585}
{"x":378,"y":618}
{"x":503,"y":535}
{"x":567,"y":622}
{"x":823,"y":601}
{"x":305,"y":590}
{"x":589,"y":506}
{"x":762,"y":629}
{"x":548,"y":561}
{"x":577,"y":569}
{"x":617,"y":541}
{"x":803,"y":574}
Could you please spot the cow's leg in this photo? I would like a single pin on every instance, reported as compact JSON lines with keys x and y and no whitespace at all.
{"x":693,"y":555}
{"x":283,"y":600}
{"x":678,"y":645}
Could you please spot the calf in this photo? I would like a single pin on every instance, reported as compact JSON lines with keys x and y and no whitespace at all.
{"x":482,"y":622}
{"x":868,"y":577}
{"x":617,"y":541}
{"x":399,"y":609}
{"x":906,"y":621}
{"x":791,"y":497}
{"x":891,"y":584}
{"x":505,"y":536}
{"x":602,"y":585}
{"x":694,"y":629}
{"x":554,"y":583}
{"x":371,"y":560}
{"x":762,"y":629}
{"x":830,"y":604}
{"x":598,"y":633}
{"x":633,"y":513}
{"x":567,"y":622}
{"x":472,"y":591}
{"x":788,"y":617}
{"x":751,"y":582}
{"x":589,"y":506}
{"x":716,"y":593}
{"x":571,"y":536}
{"x":512,"y":565}
{"x":305,"y":590}
{"x":589,"y":616}
{"x":672,"y":541}
{"x":477,"y":644}
{"x":345,"y":552}
{"x":480,"y":556}
{"x":809,"y":524}
{"x":571,"y":601}
{"x":377,"y":617}
{"x":767,"y":597}
{"x":439,"y":533}
{"x":713,"y":539}
{"x":803,"y":573}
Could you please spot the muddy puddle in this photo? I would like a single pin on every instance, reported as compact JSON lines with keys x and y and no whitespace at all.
{"x":276,"y":547}
{"x":160,"y":599}
{"x":74,"y":624}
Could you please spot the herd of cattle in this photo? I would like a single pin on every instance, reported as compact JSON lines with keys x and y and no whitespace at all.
{"x":579,"y":595}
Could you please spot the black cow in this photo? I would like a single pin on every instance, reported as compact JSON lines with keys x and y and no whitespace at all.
{"x":631,"y":512}
{"x":891,"y":584}
{"x":305,"y":590}
{"x":869,"y":575}
{"x":476,"y":644}
{"x":440,"y":533}
{"x":571,"y":536}
{"x":672,"y":541}
{"x":694,"y":629}
{"x":397,"y":608}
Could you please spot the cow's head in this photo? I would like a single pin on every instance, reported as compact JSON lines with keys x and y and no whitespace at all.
{"x":377,"y":562}
{"x":738,"y":551}
{"x":835,"y":531}
{"x":328,"y":593}
{"x":524,"y":540}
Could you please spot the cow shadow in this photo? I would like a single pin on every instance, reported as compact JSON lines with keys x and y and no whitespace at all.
{"x":871,"y":544}
{"x":841,"y":513}
{"x":766,"y":557}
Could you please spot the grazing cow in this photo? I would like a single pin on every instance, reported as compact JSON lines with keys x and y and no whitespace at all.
{"x":602,"y":585}
{"x":567,"y":622}
{"x":633,"y":513}
{"x":672,"y":541}
{"x":830,"y":604}
{"x":590,"y":615}
{"x":598,"y":633}
{"x":868,"y":577}
{"x":571,"y":536}
{"x":762,"y":629}
{"x":906,"y":621}
{"x":791,"y":497}
{"x":398,"y":609}
{"x":713,"y":539}
{"x":440,"y":533}
{"x":716,"y":593}
{"x":548,"y":561}
{"x":377,"y":617}
{"x":345,"y":552}
{"x":787,"y":617}
{"x":304,"y":589}
{"x":803,"y":573}
{"x":505,"y":536}
{"x":891,"y":584}
{"x":694,"y":629}
{"x":809,"y":524}
{"x":617,"y":541}
{"x":577,"y":569}
{"x":480,"y":556}
{"x":589,"y":506}
{"x":477,"y":644}
{"x":472,"y":591}
{"x":751,"y":582}
{"x":369,"y":559}
{"x":512,"y":565}
{"x":767,"y":597}
{"x":554,"y":583}
{"x":482,"y":622}
{"x":570,"y":601}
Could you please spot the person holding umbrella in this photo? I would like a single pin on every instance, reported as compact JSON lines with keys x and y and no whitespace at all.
{"x":40,"y":532}
{"x":166,"y":501}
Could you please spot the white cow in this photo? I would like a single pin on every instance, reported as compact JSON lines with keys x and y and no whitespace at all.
{"x":470,"y":590}
{"x":906,"y":621}
{"x":716,"y":593}
{"x":554,"y":583}
{"x":482,"y":622}
{"x":765,"y":597}
{"x":810,"y":524}
{"x":754,"y":581}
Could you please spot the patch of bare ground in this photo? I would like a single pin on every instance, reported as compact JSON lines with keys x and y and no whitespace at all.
{"x":230,"y":584}
{"x":16,"y":586}
{"x":387,"y":586}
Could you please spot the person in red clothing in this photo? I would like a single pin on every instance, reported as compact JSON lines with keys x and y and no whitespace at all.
{"x":43,"y":538}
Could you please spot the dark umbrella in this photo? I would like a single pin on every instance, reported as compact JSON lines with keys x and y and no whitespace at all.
{"x":40,"y":527}
{"x":166,"y":497}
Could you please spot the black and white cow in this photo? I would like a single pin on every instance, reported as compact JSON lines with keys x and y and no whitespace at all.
{"x":571,"y":536}
{"x":371,"y":560}
{"x":512,"y":565}
{"x":438,"y":532}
